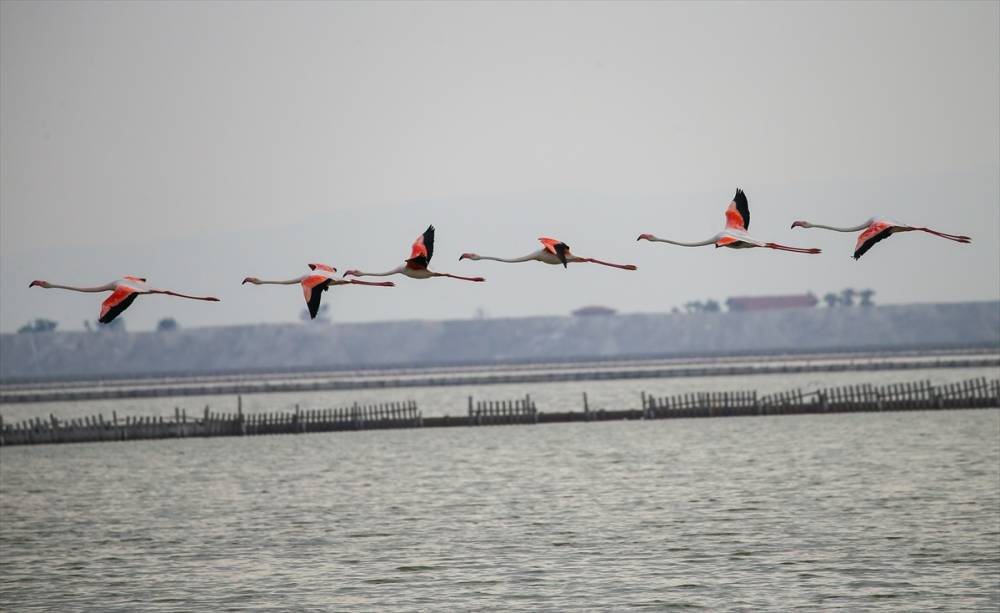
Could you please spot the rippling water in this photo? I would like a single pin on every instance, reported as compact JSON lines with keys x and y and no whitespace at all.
{"x":890,"y":511}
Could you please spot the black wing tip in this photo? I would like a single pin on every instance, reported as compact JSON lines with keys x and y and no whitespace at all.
{"x":740,"y":197}
{"x":561,"y":250}
{"x":884,"y":234}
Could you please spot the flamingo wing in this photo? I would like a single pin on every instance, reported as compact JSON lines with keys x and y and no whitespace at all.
{"x":313,"y":287}
{"x":738,"y":213}
{"x":119,"y":300}
{"x":423,"y":250}
{"x":875,"y":233}
{"x":557,"y":247}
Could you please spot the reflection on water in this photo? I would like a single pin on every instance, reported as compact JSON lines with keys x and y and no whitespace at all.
{"x":890,"y":511}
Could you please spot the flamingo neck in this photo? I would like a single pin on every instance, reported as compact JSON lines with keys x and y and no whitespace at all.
{"x":288,"y":282}
{"x":525,"y":258}
{"x":101,"y":288}
{"x":836,"y":229}
{"x":394,"y":271}
{"x":710,"y":241}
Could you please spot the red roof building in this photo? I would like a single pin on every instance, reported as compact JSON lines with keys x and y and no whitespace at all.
{"x":761,"y":303}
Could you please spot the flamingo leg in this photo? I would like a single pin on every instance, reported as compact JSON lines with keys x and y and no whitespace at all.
{"x":952,"y":237}
{"x":169,"y":293}
{"x":444,"y":274}
{"x":622,"y":266}
{"x":378,"y":284}
{"x":792,"y":249}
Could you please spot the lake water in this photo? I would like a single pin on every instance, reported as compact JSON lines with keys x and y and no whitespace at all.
{"x":872,"y":511}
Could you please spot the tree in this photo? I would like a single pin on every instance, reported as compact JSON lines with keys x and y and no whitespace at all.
{"x":866,"y":297}
{"x":711,"y":306}
{"x":166,"y":324}
{"x":39,"y":325}
{"x":831,"y":300}
{"x":694,"y":306}
{"x":847,"y":297}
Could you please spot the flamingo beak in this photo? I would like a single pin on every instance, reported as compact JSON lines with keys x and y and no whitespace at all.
{"x":644,"y":237}
{"x":463,"y":256}
{"x":34,"y":283}
{"x":247,"y":280}
{"x":798,"y":224}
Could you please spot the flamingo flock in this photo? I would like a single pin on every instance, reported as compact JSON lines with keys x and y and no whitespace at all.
{"x":322,"y":277}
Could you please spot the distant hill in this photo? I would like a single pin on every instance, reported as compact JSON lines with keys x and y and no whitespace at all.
{"x":315,"y":346}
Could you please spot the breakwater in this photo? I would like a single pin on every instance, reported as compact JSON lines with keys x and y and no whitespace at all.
{"x":919,"y":395}
{"x":232,"y":388}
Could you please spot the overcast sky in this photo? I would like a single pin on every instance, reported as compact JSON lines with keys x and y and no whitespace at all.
{"x":198,"y":143}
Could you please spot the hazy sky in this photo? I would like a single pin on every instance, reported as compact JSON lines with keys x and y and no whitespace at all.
{"x":198,"y":143}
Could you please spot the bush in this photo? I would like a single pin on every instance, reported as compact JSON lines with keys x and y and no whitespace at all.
{"x":39,"y":325}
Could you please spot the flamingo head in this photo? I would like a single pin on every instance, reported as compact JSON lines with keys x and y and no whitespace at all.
{"x":39,"y":283}
{"x":468,"y":256}
{"x":352,"y":273}
{"x":253,"y":280}
{"x":645,"y":237}
{"x":800,"y":224}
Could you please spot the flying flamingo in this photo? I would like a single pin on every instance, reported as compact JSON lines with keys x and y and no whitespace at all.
{"x":879,"y":228}
{"x":552,"y":252}
{"x":735,"y":235}
{"x":314,"y":284}
{"x":124,"y":291}
{"x":416,"y":266}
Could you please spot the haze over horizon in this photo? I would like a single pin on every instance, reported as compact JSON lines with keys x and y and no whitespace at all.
{"x":196,"y":144}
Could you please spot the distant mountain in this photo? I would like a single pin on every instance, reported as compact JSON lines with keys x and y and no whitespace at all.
{"x":310,"y":346}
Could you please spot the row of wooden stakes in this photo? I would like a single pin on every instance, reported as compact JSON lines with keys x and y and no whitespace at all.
{"x":973,"y":393}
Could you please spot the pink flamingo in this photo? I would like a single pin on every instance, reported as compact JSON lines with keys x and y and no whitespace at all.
{"x":314,"y":284}
{"x":879,"y":228}
{"x":735,"y":235}
{"x":553,"y":251}
{"x":124,"y":291}
{"x":416,"y":266}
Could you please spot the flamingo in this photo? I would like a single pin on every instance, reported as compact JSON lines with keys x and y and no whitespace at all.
{"x":416,"y":266}
{"x":553,"y":251}
{"x":735,"y":235}
{"x":314,"y":284}
{"x":124,"y":291}
{"x":879,"y":228}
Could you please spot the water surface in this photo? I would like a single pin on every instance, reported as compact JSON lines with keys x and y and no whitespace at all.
{"x":889,"y":511}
